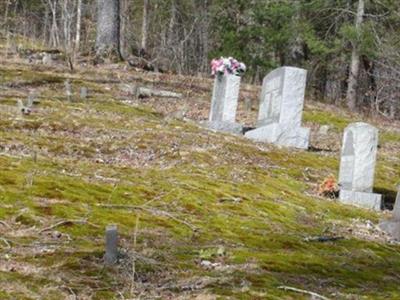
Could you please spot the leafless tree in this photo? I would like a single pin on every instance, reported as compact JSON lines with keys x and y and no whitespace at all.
{"x":355,"y":61}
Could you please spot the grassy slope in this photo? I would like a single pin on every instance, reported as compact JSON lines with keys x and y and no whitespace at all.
{"x":196,"y":194}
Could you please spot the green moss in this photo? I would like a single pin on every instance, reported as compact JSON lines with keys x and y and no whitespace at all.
{"x":389,"y":137}
{"x":193,"y":192}
{"x":339,"y":122}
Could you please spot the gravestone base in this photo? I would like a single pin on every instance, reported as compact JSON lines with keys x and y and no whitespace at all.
{"x":282,"y":135}
{"x":223,"y":126}
{"x":361,"y":199}
{"x":391,"y":227}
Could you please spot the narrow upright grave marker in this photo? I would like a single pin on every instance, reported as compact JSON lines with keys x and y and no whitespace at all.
{"x":68,"y":89}
{"x":281,"y":108}
{"x":357,"y":166}
{"x":111,"y":254}
{"x":224,"y":102}
{"x":392,"y":226}
{"x":225,"y":98}
{"x":84,"y":93}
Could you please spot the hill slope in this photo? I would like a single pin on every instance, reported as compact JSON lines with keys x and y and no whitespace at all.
{"x":200,"y":214}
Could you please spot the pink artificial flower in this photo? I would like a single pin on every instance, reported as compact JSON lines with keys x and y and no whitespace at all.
{"x":227,"y":66}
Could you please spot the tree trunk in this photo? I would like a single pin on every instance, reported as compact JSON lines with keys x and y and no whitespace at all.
{"x":7,"y":29}
{"x":204,"y":37}
{"x":54,"y":37}
{"x":351,"y":96}
{"x":143,"y":45}
{"x":108,"y":26}
{"x":125,"y":33}
{"x":78,"y":26}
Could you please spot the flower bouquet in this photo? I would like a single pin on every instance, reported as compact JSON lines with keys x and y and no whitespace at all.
{"x":228,"y":65}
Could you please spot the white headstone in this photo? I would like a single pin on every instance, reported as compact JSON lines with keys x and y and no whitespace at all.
{"x":281,"y":108}
{"x":224,"y":104}
{"x":357,"y":166}
{"x":225,"y":98}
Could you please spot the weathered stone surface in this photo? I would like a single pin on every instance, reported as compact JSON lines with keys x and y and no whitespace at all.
{"x":282,"y":97}
{"x":228,"y":127}
{"x":281,"y":108}
{"x":282,"y":135}
{"x":83,"y":93}
{"x":396,"y":207}
{"x":68,"y":89}
{"x":111,"y":254}
{"x":225,"y":98}
{"x":361,"y":199}
{"x":47,"y":59}
{"x":391,"y":227}
{"x":357,"y":166}
{"x":358,"y":157}
{"x":324,"y":130}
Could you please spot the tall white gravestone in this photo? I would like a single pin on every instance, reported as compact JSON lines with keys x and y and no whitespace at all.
{"x":392,"y":226}
{"x":357,"y":166}
{"x":224,"y":104}
{"x":281,"y":108}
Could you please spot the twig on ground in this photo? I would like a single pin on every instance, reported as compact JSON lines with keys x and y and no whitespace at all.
{"x":6,"y":242}
{"x":71,"y":291}
{"x":293,"y":289}
{"x":323,"y":239}
{"x":5,"y":224}
{"x":150,"y":210}
{"x":67,"y":222}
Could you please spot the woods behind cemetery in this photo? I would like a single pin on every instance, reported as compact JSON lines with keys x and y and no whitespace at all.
{"x":349,"y":47}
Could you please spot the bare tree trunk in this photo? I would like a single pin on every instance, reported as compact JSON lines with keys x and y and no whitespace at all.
{"x":143,"y":45}
{"x":351,"y":96}
{"x":78,"y":26}
{"x":204,"y":37}
{"x":108,"y":28}
{"x":124,"y":34}
{"x":7,"y":28}
{"x":54,"y":37}
{"x":46,"y":25}
{"x":171,"y":24}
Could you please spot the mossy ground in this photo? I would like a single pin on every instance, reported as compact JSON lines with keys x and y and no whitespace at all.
{"x":182,"y":192}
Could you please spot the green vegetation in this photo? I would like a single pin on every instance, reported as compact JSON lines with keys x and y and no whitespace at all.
{"x":196,"y":195}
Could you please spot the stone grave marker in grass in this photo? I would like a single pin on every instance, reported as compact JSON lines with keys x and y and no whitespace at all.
{"x":357,"y":166}
{"x":281,"y":108}
{"x":111,"y":254}
{"x":224,"y":104}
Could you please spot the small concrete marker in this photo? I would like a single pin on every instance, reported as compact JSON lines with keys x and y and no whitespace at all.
{"x":68,"y":89}
{"x":111,"y":255}
{"x":84,"y":93}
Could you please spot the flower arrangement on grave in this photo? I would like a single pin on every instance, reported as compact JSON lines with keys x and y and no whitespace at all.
{"x":329,"y":187}
{"x":223,"y":65}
